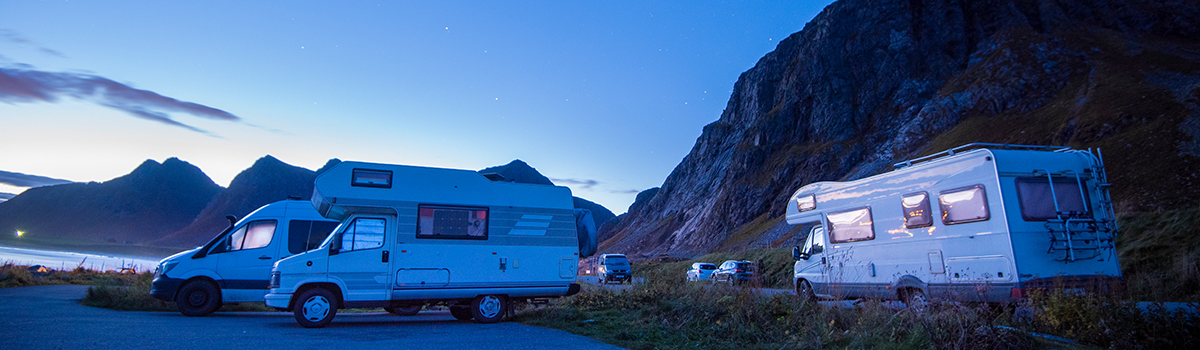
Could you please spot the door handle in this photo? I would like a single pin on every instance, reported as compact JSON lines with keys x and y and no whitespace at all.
{"x":385,"y":256}
{"x":264,"y":257}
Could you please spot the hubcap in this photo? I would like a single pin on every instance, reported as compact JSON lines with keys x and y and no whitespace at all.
{"x":316,"y":308}
{"x":197,"y":298}
{"x":489,"y":307}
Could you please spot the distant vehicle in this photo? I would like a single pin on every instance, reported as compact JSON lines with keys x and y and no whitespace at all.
{"x":1009,"y":219}
{"x":413,"y":236}
{"x":614,"y":267}
{"x":734,"y":272}
{"x":235,"y":265}
{"x":700,"y":272}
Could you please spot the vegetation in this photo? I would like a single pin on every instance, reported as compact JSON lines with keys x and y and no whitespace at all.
{"x":664,"y":313}
{"x":1160,"y":254}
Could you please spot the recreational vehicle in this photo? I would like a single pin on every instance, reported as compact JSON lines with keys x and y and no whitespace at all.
{"x":981,"y":222}
{"x":235,"y":265}
{"x":413,"y":236}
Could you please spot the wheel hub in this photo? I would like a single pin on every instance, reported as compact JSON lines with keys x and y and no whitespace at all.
{"x":316,"y":308}
{"x":489,"y":307}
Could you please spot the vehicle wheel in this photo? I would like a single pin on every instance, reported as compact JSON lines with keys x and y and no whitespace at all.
{"x":405,"y":310}
{"x":805,"y":291}
{"x":489,"y":308}
{"x":315,"y":308}
{"x":731,"y":283}
{"x":198,"y":298}
{"x":461,"y":313}
{"x":915,"y":299}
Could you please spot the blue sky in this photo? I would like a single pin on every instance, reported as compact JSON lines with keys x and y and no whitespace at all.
{"x":603,"y":97}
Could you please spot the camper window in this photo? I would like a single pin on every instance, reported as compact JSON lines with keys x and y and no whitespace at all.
{"x":851,"y":225}
{"x":447,"y":222}
{"x":806,"y":202}
{"x":964,"y":204}
{"x":364,"y":233}
{"x":916,"y":210}
{"x":256,"y":234}
{"x":371,"y":178}
{"x":1035,"y":197}
{"x":305,"y":235}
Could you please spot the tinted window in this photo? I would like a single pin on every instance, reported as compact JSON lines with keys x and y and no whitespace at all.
{"x":452,"y":222}
{"x":916,"y":210}
{"x":371,"y":178}
{"x":708,"y":267}
{"x":256,"y":234}
{"x":305,"y":235}
{"x":851,"y":225}
{"x":963,"y":205}
{"x":364,"y":233}
{"x":1037,"y":200}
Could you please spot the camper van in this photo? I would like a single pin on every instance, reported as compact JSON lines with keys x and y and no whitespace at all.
{"x":413,"y":236}
{"x":235,"y":265}
{"x":980,"y":222}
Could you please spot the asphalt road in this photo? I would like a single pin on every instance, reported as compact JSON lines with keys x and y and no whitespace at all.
{"x":49,"y":317}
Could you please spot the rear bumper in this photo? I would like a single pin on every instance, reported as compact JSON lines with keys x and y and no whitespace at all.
{"x":164,"y":288}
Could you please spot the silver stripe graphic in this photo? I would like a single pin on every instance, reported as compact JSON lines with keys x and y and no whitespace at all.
{"x":532,"y":224}
{"x":536,"y":217}
{"x":526,"y":232}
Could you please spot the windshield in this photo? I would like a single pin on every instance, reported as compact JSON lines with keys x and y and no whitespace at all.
{"x":616,"y":261}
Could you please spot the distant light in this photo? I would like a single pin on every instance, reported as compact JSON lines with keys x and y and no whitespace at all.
{"x":19,"y":233}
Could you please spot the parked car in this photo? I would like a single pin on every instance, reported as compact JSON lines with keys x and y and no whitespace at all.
{"x":614,"y":267}
{"x":734,"y":272}
{"x":701,"y":272}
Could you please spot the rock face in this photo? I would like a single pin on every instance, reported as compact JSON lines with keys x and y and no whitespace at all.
{"x":870,"y":83}
{"x":153,"y":200}
{"x":268,"y":180}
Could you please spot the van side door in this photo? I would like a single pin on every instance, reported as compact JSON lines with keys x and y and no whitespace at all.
{"x":244,"y":260}
{"x":360,"y":257}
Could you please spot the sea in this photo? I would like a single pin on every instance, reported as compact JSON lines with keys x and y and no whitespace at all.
{"x":64,"y":260}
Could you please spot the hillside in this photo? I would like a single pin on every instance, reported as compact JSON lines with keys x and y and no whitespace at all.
{"x":869,"y":83}
{"x":151,"y":201}
{"x":519,"y":171}
{"x":268,"y":180}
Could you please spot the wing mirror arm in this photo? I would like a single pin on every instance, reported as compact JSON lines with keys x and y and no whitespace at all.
{"x":799,"y":255}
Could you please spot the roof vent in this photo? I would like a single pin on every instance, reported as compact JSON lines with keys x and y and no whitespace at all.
{"x":494,"y":176}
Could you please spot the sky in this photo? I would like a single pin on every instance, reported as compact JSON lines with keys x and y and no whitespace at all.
{"x":603,"y":97}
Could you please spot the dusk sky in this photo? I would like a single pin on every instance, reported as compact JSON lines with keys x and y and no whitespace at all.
{"x":603,"y":97}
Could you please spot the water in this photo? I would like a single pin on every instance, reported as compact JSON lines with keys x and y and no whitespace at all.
{"x":69,"y":260}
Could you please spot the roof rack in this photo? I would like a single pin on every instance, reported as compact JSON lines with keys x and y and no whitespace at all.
{"x":970,"y":146}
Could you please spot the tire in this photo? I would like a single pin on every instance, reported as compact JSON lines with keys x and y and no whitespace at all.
{"x":405,"y":310}
{"x":915,"y":299}
{"x":315,"y":308}
{"x":804,"y":290}
{"x":489,"y":308}
{"x":198,"y":298}
{"x":461,"y":313}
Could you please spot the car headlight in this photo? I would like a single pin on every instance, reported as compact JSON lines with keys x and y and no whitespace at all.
{"x":162,"y":269}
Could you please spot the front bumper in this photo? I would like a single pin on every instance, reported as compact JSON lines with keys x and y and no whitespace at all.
{"x":164,"y":288}
{"x":617,"y":276}
{"x":279,"y":300}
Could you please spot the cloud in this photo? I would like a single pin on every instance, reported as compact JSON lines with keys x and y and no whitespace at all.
{"x":586,"y":184}
{"x":22,"y":85}
{"x":15,"y":38}
{"x":26,"y":180}
{"x":624,"y":191}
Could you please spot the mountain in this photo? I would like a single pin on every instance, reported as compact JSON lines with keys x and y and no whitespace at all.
{"x":6,"y":196}
{"x":153,"y":200}
{"x":869,"y":83}
{"x":518,"y":171}
{"x":268,"y":180}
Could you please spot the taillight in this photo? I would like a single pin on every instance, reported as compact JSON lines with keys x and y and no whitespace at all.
{"x":738,"y":270}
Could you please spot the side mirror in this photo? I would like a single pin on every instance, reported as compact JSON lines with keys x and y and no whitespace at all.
{"x":335,"y":245}
{"x":796,"y":254}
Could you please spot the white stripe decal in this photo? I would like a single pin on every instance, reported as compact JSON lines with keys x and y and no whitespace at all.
{"x":524,"y":232}
{"x":533,"y":224}
{"x":536,"y":217}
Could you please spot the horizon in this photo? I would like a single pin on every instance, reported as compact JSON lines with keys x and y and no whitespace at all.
{"x":603,"y":98}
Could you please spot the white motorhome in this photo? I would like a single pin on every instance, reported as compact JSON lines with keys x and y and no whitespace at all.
{"x":235,"y":265}
{"x":413,"y":236}
{"x":980,"y":222}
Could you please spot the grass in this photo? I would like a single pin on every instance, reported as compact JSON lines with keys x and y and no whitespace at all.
{"x":663,"y":313}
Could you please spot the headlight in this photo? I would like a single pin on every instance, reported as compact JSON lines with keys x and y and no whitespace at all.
{"x":162,"y":269}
